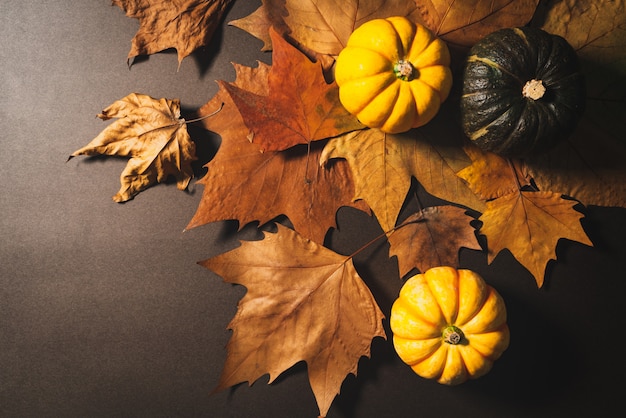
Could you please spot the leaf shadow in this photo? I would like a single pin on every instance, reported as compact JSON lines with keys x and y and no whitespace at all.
{"x":99,"y":158}
{"x":204,"y":56}
{"x":606,"y":230}
{"x":360,"y":234}
{"x":207,"y":142}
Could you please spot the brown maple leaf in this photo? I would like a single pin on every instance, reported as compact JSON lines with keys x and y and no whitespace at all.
{"x":529,"y":224}
{"x":432,"y":237}
{"x":597,"y":31}
{"x":300,"y":106}
{"x":491,"y":176}
{"x":182,"y":24}
{"x":383,"y":164}
{"x":319,"y":26}
{"x":591,"y":165}
{"x":465,"y":22}
{"x":245,"y":184}
{"x":304,"y":302}
{"x":259,"y":22}
{"x":151,"y":132}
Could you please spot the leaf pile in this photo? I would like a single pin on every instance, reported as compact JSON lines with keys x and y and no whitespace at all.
{"x":290,"y":149}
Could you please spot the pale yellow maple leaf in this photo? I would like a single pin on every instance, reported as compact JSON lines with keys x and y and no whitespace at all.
{"x":465,"y":22}
{"x":321,"y":27}
{"x":383,"y":164}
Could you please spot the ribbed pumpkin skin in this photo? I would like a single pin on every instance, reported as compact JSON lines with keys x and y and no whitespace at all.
{"x":369,"y":86}
{"x":495,"y":114}
{"x":431,"y":302}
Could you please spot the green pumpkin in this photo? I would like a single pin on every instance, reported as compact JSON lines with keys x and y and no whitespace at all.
{"x":523,"y":92}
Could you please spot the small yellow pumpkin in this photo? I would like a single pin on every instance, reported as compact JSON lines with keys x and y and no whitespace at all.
{"x":393,"y":74}
{"x":449,"y":325}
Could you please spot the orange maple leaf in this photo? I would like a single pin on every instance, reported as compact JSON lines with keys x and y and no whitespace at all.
{"x":529,"y":224}
{"x":304,"y":302}
{"x":491,"y":176}
{"x":300,"y":106}
{"x":245,"y":184}
{"x":182,"y":24}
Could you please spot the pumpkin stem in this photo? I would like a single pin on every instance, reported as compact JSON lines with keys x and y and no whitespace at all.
{"x":404,"y":70}
{"x":533,"y":89}
{"x":452,"y":335}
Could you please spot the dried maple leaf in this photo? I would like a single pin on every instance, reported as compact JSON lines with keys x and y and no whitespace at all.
{"x":324,"y":26}
{"x":151,"y":132}
{"x":244,"y":184}
{"x":383,"y":164}
{"x":591,"y":165}
{"x":304,"y":302}
{"x":300,"y":106}
{"x":597,"y":31}
{"x":259,"y":22}
{"x":465,"y":22}
{"x":491,"y":176}
{"x":182,"y":24}
{"x":529,"y":224}
{"x":431,"y":238}
{"x":321,"y":26}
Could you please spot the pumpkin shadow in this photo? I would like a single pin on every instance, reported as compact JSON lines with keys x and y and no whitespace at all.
{"x":541,"y":366}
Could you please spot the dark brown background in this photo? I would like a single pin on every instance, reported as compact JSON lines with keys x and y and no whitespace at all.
{"x":104,"y":311}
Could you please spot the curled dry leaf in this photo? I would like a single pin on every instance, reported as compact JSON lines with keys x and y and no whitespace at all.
{"x":151,"y":132}
{"x":432,"y":237}
{"x":529,"y":224}
{"x":182,"y":24}
{"x":304,"y":302}
{"x":464,"y":22}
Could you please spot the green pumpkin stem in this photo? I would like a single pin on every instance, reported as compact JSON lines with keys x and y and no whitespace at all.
{"x":452,"y":335}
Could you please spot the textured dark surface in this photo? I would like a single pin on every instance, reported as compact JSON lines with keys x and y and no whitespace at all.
{"x":104,"y":311}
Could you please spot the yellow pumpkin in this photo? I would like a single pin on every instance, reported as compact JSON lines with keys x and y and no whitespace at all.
{"x":449,"y":325}
{"x":393,"y":74}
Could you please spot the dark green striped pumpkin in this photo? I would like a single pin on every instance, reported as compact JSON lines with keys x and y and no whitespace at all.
{"x":523,"y":92}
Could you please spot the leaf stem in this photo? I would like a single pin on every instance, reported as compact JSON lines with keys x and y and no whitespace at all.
{"x":205,"y":116}
{"x":514,"y":172}
{"x":384,"y":235}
